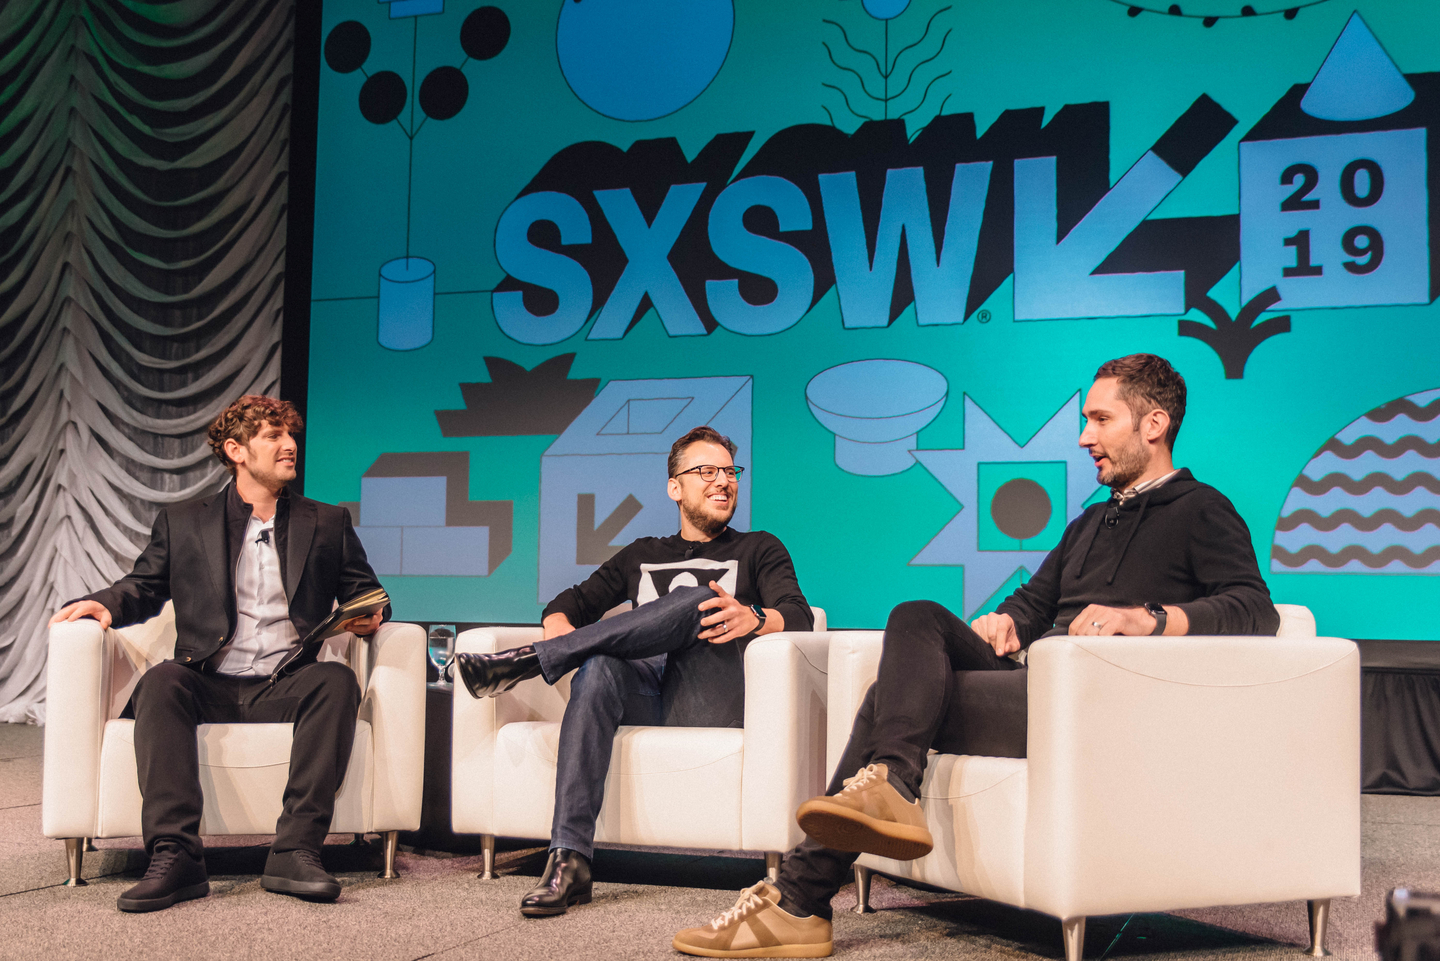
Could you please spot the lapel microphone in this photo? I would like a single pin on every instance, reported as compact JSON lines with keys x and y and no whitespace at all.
{"x":1112,"y":511}
{"x":264,"y":537}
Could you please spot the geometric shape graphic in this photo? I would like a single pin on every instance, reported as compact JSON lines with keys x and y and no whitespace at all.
{"x":646,"y":416}
{"x":407,"y":303}
{"x":875,"y":409}
{"x":1358,"y":80}
{"x":885,"y":9}
{"x":382,"y":97}
{"x":444,"y":92}
{"x":642,"y":59}
{"x":418,"y":519}
{"x":517,"y":402}
{"x":600,"y":481}
{"x":1336,"y":221}
{"x":1022,"y":505}
{"x":987,"y":470}
{"x":347,"y":47}
{"x":1368,"y":502}
{"x":400,"y":9}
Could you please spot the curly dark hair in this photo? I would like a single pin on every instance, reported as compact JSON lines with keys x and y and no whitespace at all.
{"x":1147,"y":383}
{"x":243,"y":419}
{"x":700,"y":435}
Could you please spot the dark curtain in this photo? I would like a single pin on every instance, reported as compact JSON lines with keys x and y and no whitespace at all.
{"x":143,"y":181}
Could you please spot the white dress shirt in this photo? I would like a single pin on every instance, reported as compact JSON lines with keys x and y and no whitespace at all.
{"x":263,"y":632}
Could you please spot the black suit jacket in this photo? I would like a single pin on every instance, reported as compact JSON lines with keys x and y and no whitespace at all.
{"x":191,"y":560}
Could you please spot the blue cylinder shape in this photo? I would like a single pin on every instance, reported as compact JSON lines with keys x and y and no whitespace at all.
{"x":407,"y":303}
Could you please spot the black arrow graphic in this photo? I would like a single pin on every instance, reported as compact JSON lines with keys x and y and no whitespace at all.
{"x":592,"y":544}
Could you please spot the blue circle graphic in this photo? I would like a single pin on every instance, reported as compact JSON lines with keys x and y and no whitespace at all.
{"x":885,"y":9}
{"x":642,"y":59}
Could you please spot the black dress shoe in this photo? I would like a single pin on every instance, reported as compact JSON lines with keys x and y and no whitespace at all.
{"x":173,"y":876}
{"x":566,"y":881}
{"x":299,"y":873}
{"x":486,"y":675}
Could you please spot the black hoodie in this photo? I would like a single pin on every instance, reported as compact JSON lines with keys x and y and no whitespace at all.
{"x":1181,"y":543}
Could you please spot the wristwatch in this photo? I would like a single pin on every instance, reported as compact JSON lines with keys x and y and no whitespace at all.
{"x":759,"y":612}
{"x":1157,"y":611}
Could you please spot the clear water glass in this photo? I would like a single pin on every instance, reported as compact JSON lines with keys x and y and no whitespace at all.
{"x":441,"y":648}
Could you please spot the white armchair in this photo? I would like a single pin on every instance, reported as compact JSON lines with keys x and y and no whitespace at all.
{"x":91,"y":786}
{"x":687,"y":787}
{"x":1162,"y":773}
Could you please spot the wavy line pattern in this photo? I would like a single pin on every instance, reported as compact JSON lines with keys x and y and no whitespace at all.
{"x":1369,"y":482}
{"x":1377,"y":445}
{"x":1354,"y":552}
{"x":143,"y":168}
{"x":1361,"y":522}
{"x":1405,"y":407}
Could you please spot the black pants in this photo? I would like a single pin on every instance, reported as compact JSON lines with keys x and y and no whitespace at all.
{"x":939,"y":685}
{"x":171,"y":700}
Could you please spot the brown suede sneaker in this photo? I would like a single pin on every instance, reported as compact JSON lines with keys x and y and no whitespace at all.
{"x":756,"y":928}
{"x":868,"y":816}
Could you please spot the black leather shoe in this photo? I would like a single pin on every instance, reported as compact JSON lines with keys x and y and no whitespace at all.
{"x":486,"y":675}
{"x":566,"y":881}
{"x":173,"y":875}
{"x":301,"y":874}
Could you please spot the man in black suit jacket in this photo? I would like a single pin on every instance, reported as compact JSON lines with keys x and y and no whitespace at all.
{"x":251,"y":570}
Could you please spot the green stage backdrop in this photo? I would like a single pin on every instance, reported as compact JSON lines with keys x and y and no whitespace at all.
{"x":883,"y":245}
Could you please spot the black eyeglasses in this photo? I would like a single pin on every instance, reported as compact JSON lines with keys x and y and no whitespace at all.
{"x":708,"y":472}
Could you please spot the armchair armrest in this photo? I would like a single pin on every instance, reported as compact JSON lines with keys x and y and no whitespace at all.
{"x":475,"y":723}
{"x":784,"y":762}
{"x":1191,"y":771}
{"x":77,"y":682}
{"x":394,"y":704}
{"x":854,"y":662}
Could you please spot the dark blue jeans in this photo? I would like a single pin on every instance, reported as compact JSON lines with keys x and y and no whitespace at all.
{"x":621,"y":662}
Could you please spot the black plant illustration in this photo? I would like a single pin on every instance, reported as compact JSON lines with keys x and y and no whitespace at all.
{"x":444,"y":91}
{"x":881,"y":70}
{"x":1235,"y":340}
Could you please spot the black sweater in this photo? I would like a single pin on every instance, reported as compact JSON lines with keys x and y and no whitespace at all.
{"x":703,"y":686}
{"x":1181,"y":543}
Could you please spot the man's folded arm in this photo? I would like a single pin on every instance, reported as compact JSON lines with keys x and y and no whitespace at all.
{"x":139,"y":595}
{"x":587,"y":602}
{"x":779,"y":588}
{"x":1237,"y":600}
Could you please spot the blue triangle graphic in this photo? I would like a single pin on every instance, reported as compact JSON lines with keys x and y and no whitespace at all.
{"x":1358,"y":80}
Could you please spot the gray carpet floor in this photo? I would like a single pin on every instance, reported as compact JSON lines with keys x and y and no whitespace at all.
{"x":438,"y":909}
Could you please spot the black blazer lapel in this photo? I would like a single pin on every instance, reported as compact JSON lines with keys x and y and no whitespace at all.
{"x":212,"y":542}
{"x":300,"y":533}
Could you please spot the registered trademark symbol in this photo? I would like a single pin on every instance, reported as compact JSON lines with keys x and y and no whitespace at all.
{"x":983,"y":316}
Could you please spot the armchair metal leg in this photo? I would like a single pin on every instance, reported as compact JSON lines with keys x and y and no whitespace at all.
{"x":487,"y":857}
{"x":392,"y":838}
{"x":772,"y":866}
{"x":90,"y":845}
{"x":862,"y":889}
{"x":1319,"y":921}
{"x":358,"y":841}
{"x":74,"y":861}
{"x":1073,"y":931}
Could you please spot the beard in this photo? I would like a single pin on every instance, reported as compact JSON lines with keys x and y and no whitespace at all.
{"x":709,"y":523}
{"x":1127,"y":463}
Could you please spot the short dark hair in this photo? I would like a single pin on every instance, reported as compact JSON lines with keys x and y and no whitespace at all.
{"x":1149,"y":383}
{"x":242,"y":420}
{"x":700,"y":435}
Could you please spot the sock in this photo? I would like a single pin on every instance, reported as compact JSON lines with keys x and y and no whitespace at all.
{"x":901,"y":788}
{"x":792,"y":907}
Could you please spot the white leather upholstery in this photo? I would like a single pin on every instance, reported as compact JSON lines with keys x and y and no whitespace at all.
{"x":714,"y":788}
{"x":1162,"y":773}
{"x":91,"y":788}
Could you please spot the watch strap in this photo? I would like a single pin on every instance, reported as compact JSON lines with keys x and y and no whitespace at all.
{"x":759,"y":612}
{"x":1157,"y":611}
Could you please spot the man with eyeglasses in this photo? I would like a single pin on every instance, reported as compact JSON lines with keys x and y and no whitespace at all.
{"x":1166,"y":555}
{"x":677,"y":659}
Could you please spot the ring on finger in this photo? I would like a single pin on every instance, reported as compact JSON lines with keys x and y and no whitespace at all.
{"x":1095,"y":624}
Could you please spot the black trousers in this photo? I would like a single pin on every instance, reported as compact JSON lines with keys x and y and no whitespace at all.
{"x":170,"y":701}
{"x":939,"y":685}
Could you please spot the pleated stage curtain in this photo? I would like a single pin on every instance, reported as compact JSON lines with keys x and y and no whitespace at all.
{"x":143,"y":162}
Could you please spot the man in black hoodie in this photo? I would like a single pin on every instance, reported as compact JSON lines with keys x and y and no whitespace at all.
{"x":1165,"y":555}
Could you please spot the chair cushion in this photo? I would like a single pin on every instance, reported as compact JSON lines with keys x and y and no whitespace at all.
{"x":976,"y":810}
{"x":243,"y":769}
{"x":670,"y":786}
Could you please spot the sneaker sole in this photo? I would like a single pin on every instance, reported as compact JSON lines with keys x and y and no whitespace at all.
{"x":156,"y":904}
{"x":845,"y":829}
{"x":309,"y":890}
{"x":541,"y":911}
{"x":822,"y":949}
